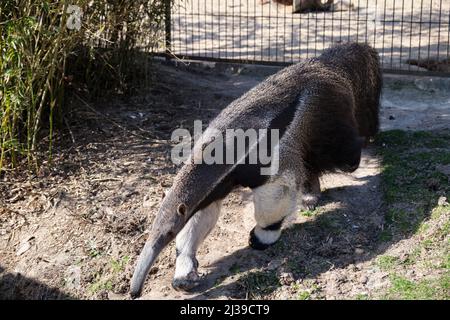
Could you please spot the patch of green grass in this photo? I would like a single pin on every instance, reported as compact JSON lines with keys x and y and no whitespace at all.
{"x":107,"y":278}
{"x":308,"y":213}
{"x":280,"y":246}
{"x":100,"y":284}
{"x":412,"y":257}
{"x":445,"y":229}
{"x":401,"y":218}
{"x":407,"y":139}
{"x":412,"y":185}
{"x":94,"y":252}
{"x":410,"y":178}
{"x":439,"y":211}
{"x":329,"y":223}
{"x":423,"y":227}
{"x":427,"y":243}
{"x":387,"y":262}
{"x":304,"y":295}
{"x":257,"y":284}
{"x":385,"y":235}
{"x":234,"y":269}
{"x":295,"y":265}
{"x":405,"y":289}
{"x":361,"y":296}
{"x":445,"y":264}
{"x":119,"y":265}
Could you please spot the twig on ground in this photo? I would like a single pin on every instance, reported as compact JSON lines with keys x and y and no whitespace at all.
{"x":70,"y":130}
{"x":105,"y":179}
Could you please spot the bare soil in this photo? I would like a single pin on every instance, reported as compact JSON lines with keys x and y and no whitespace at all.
{"x":74,"y":230}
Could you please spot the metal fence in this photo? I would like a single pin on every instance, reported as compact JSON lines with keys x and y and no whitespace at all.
{"x":405,"y":32}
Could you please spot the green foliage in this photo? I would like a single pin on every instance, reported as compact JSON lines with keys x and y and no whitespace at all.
{"x":386,"y":262}
{"x":257,"y":284}
{"x":361,"y":296}
{"x":402,"y":288}
{"x":304,"y":295}
{"x":120,"y":264}
{"x":413,"y":185}
{"x":42,"y":54}
{"x":411,"y":182}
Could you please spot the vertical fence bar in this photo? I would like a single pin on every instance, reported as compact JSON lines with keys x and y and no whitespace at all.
{"x":430,"y":24}
{"x":420,"y":29}
{"x":401,"y":34}
{"x":384,"y":32}
{"x":332,"y":27}
{"x":392,"y":35}
{"x":269,"y":27}
{"x":357,"y":21}
{"x":292,"y":34}
{"x":411,"y":34}
{"x":168,"y":28}
{"x":284,"y":35}
{"x":375,"y":25}
{"x":448,"y":34}
{"x":366,"y":39}
{"x":208,"y":29}
{"x":439,"y":29}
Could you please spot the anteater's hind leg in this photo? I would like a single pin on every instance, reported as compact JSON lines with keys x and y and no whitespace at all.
{"x":187,"y":242}
{"x":310,"y":192}
{"x":273,"y":202}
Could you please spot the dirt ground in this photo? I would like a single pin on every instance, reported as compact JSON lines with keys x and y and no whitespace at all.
{"x":74,"y":230}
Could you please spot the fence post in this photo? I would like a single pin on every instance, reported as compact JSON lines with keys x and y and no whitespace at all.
{"x":168,"y":27}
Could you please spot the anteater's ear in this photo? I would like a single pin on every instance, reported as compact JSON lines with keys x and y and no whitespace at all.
{"x":182,"y":209}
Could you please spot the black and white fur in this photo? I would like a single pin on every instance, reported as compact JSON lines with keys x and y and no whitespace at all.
{"x":323,"y":107}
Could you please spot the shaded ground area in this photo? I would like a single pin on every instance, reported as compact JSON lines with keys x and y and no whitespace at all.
{"x":75,"y":230}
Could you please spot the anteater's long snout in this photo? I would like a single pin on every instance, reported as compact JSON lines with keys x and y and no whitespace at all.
{"x":154,"y":245}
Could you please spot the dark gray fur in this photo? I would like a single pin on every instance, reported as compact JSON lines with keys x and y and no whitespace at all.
{"x":324,"y":107}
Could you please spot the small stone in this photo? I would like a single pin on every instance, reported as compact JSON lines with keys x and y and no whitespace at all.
{"x":359,"y":251}
{"x":115,"y":296}
{"x":24,"y":247}
{"x":410,"y":273}
{"x":404,"y":257}
{"x":442,"y":201}
{"x":72,"y":277}
{"x":286,"y":278}
{"x":153,"y":270}
{"x":363,"y":279}
{"x":147,"y":202}
{"x":391,"y":117}
{"x":165,"y":289}
{"x":274,"y":264}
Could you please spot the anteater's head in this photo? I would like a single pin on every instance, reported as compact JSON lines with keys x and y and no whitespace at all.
{"x":171,"y":218}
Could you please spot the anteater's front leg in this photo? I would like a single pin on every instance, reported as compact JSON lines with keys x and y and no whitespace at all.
{"x":310,"y":192}
{"x":273,"y":202}
{"x":187,"y":242}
